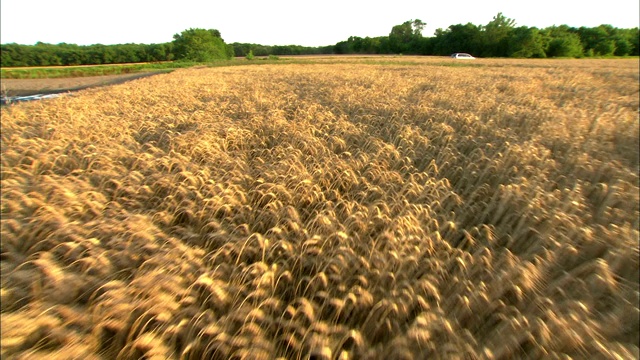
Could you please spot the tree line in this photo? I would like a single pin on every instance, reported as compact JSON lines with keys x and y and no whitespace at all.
{"x":191,"y":45}
{"x":42,"y":54}
{"x":499,"y":38}
{"x":198,"y":45}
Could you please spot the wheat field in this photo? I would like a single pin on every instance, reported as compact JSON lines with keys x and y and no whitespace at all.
{"x":396,"y":208}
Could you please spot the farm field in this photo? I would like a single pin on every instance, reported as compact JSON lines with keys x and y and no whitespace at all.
{"x":78,"y":71}
{"x":373,"y":208}
{"x":26,"y":87}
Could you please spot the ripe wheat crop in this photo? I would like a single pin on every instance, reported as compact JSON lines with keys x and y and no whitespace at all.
{"x":341,"y":209}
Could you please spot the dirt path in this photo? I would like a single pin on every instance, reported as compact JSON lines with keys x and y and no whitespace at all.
{"x":27,"y":87}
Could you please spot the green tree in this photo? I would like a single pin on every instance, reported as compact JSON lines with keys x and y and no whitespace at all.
{"x":94,"y":54}
{"x":623,"y":45}
{"x":342,"y":47}
{"x":458,"y":38}
{"x":11,"y":55}
{"x":526,"y":42}
{"x":157,"y":52}
{"x":496,"y":35}
{"x":229,"y":52}
{"x":241,"y":49}
{"x":371,"y":45}
{"x":72,"y":57}
{"x":108,"y":54}
{"x":591,"y":37}
{"x":357,"y":45}
{"x":564,"y":44}
{"x":604,"y":40}
{"x":633,"y":35}
{"x":200,"y":45}
{"x":605,"y":47}
{"x":127,"y":53}
{"x":404,"y":38}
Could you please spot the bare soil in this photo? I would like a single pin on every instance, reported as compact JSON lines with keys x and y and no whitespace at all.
{"x":27,"y":87}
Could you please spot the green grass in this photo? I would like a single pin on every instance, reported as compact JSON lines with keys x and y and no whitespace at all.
{"x":99,"y":70}
{"x":81,"y":71}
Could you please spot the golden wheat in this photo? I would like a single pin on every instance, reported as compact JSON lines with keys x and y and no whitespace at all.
{"x":401,"y":208}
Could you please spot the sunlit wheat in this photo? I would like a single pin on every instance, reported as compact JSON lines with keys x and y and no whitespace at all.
{"x":340,"y":210}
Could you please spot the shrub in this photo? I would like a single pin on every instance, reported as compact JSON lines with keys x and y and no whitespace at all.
{"x":567,"y":45}
{"x":200,"y":45}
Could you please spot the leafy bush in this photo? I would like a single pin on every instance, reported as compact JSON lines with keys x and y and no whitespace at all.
{"x":567,"y":45}
{"x":200,"y":45}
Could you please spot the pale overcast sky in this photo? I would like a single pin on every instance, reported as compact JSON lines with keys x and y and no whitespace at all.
{"x":282,"y":22}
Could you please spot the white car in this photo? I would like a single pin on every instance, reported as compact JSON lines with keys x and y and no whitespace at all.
{"x":464,"y":56}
